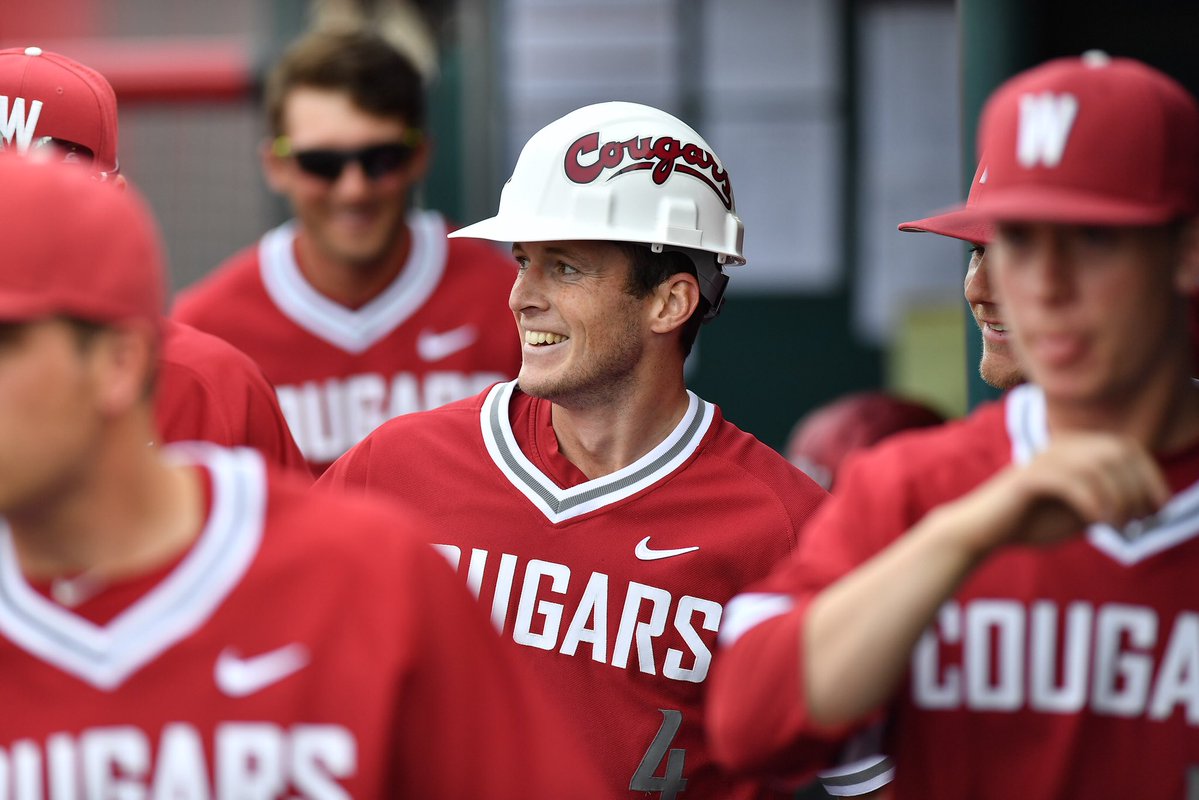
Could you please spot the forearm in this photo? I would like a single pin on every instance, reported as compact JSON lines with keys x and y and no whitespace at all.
{"x":860,"y":631}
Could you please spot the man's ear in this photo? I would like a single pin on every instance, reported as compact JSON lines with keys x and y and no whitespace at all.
{"x":275,"y":168}
{"x":124,"y":363}
{"x":675,"y":300}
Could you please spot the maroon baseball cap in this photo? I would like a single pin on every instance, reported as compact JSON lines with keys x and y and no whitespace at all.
{"x":75,"y":246}
{"x":955,"y":222}
{"x":44,"y":94}
{"x":1092,"y":140}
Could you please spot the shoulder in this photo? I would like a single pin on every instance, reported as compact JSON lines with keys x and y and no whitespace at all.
{"x":203,"y":354}
{"x":231,"y":279}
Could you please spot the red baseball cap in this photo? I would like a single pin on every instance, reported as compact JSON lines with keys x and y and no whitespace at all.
{"x":1091,"y":140}
{"x":76,"y":246}
{"x":825,"y":436}
{"x":44,"y":94}
{"x":955,"y":222}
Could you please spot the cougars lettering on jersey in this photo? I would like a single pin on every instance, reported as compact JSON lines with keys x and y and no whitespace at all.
{"x":305,"y":646}
{"x":1067,"y":671}
{"x":613,"y":589}
{"x":441,"y":331}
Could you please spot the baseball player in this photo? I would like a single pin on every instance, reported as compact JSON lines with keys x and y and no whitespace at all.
{"x":54,"y":107}
{"x":183,"y":621}
{"x":823,"y":438}
{"x":1017,"y":589}
{"x":357,"y":310}
{"x":998,"y":366}
{"x":601,"y":512}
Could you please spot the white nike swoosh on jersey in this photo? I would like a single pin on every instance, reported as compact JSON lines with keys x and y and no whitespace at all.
{"x":434,"y":346}
{"x":238,"y":677}
{"x":643,"y":552}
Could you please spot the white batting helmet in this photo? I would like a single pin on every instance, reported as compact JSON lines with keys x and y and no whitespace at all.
{"x":623,"y":172}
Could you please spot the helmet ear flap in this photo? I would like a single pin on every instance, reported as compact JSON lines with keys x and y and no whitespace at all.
{"x":712,"y":279}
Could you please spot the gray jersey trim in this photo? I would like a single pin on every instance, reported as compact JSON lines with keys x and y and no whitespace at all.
{"x":561,"y":504}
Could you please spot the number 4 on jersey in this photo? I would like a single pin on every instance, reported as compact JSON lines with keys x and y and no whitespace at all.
{"x":672,"y":781}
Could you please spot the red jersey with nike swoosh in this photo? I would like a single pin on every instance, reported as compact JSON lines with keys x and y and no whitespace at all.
{"x":441,"y":331}
{"x":1069,"y":671}
{"x":611,"y":589}
{"x":208,"y":390}
{"x":306,"y":646}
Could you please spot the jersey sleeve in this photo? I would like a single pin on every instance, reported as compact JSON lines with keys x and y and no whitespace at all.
{"x":472,"y":722}
{"x":210,"y":391}
{"x":758,"y":720}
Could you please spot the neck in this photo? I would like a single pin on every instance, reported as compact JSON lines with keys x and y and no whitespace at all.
{"x":129,"y":513}
{"x":607,"y":437}
{"x":1161,"y":414}
{"x":352,"y":284}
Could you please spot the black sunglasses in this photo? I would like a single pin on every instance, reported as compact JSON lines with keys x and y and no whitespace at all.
{"x":377,"y":161}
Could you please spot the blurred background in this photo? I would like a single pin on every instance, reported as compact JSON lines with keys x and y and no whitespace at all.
{"x":837,"y":120}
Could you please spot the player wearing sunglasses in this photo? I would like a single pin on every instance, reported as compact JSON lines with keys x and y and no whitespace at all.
{"x":358,"y":309}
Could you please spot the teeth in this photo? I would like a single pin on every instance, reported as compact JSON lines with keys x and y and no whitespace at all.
{"x":998,"y":328}
{"x":543,"y":337}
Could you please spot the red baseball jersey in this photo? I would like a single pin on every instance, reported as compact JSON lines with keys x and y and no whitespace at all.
{"x":441,"y":331}
{"x":614,"y":588}
{"x":1064,"y":671}
{"x":307,"y":645}
{"x":210,"y":391}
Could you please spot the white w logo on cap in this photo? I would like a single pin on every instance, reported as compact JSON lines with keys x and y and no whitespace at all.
{"x":17,"y":128}
{"x":1045,"y":123}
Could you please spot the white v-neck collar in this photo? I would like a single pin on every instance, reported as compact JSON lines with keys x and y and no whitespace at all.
{"x":1177,"y":522}
{"x":559,"y":504}
{"x":354,"y":330}
{"x":106,"y":655}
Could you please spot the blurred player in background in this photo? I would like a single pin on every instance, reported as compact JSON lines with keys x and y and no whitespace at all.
{"x":227,"y":632}
{"x":358,"y":310}
{"x":1017,"y":589}
{"x":601,"y":511}
{"x":56,"y":108}
{"x":997,"y":366}
{"x":825,"y":436}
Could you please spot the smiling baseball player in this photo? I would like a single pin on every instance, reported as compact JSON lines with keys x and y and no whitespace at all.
{"x":600,"y":511}
{"x":358,"y":309}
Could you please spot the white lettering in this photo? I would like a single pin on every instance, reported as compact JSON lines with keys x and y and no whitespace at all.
{"x":1122,"y":677}
{"x":1045,"y":123}
{"x":644,"y":632}
{"x":115,"y":763}
{"x":503,"y":591}
{"x":61,"y":755}
{"x":319,"y":754}
{"x":249,"y":761}
{"x":180,"y":773}
{"x":994,"y":666}
{"x":17,"y":127}
{"x":929,"y":690}
{"x":593,"y":608}
{"x":673,"y":666}
{"x":27,"y":770}
{"x":551,"y":612}
{"x":329,"y":417}
{"x":1178,"y":678}
{"x":363,"y":397}
{"x":1045,"y":693}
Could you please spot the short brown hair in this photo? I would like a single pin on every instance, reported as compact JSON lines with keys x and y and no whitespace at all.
{"x":379,"y":79}
{"x":648,"y":269}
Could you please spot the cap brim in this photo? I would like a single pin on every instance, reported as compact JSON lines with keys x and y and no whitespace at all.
{"x":1067,"y":206}
{"x":955,"y":223}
